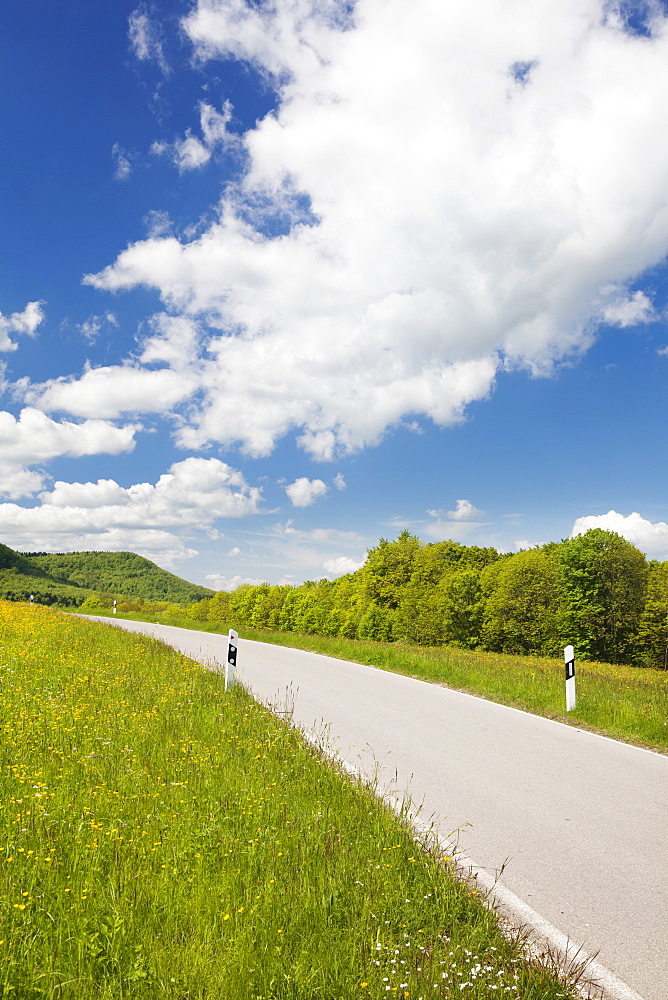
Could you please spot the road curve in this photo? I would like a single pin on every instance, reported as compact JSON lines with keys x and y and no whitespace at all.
{"x":577,"y":822}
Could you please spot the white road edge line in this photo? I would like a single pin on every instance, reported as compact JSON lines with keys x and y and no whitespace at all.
{"x":606,"y":984}
{"x":600,"y":983}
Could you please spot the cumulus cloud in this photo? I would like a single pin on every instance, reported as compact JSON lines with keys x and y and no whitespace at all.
{"x":110,"y":391}
{"x":429,"y":204}
{"x":465,"y":511}
{"x":190,"y":153}
{"x":651,"y":537}
{"x":339,"y":481}
{"x":629,"y":310}
{"x":303,"y":492}
{"x":34,"y":438}
{"x":147,"y":518}
{"x":342,"y":564}
{"x":24,"y":322}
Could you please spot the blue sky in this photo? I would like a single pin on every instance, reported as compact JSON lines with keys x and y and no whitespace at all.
{"x":281,"y":278}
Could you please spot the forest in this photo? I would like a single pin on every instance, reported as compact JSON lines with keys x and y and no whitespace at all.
{"x":596,"y":591}
{"x":67,"y":579}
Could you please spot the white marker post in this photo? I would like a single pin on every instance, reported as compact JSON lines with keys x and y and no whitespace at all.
{"x":114,"y":607}
{"x":32,"y":598}
{"x":231,"y":665}
{"x":569,"y":660}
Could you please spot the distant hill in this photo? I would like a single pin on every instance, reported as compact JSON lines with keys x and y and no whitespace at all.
{"x":20,"y":577}
{"x":69,"y":577}
{"x":14,"y":562}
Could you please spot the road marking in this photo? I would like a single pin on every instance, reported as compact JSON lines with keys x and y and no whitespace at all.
{"x":604,"y":983}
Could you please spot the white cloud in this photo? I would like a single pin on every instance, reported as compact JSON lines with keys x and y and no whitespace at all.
{"x":304,"y":553}
{"x":145,"y":37}
{"x":625,"y":310}
{"x":342,"y":564}
{"x":122,"y":161}
{"x":234,"y":552}
{"x":464,"y":532}
{"x":218,"y":582}
{"x":339,"y":481}
{"x":287,"y":529}
{"x":651,"y":537}
{"x":190,"y":153}
{"x":465,"y":511}
{"x":146,"y":518}
{"x":303,"y":492}
{"x":187,"y":154}
{"x":34,"y":438}
{"x":24,"y":322}
{"x":461,"y":526}
{"x":158,"y":222}
{"x":109,"y":392}
{"x":441,"y":215}
{"x":92,"y":327}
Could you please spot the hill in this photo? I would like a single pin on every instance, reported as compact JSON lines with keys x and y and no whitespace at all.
{"x":67,"y":578}
{"x":116,"y":573}
{"x":14,"y":562}
{"x":20,"y":577}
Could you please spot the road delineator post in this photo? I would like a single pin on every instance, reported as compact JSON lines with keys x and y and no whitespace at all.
{"x":569,"y":660}
{"x":231,"y":665}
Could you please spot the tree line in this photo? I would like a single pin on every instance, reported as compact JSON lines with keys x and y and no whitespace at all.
{"x":596,"y":591}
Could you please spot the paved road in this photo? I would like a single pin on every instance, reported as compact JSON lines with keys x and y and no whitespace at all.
{"x":579,"y":823}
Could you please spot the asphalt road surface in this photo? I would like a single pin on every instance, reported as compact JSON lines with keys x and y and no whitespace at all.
{"x":577,"y":822}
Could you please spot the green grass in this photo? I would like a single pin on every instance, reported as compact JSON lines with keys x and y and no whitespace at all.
{"x":626,"y":703}
{"x":163,"y":838}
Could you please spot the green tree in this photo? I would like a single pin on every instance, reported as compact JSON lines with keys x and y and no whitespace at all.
{"x":199,"y":610}
{"x":242,"y":603}
{"x":433,"y":562}
{"x":419,"y":617}
{"x":375,"y":624}
{"x":309,"y":612}
{"x":602,"y":581}
{"x":93,"y":605}
{"x":287,"y":619}
{"x":333,"y":623}
{"x":255,"y":611}
{"x":273,"y":605}
{"x":388,"y":570}
{"x":218,"y":609}
{"x":522,"y":605}
{"x":461,"y":603}
{"x":651,"y":645}
{"x":351,"y":622}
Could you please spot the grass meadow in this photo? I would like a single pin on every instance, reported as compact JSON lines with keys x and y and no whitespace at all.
{"x":162,"y":837}
{"x":626,"y":703}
